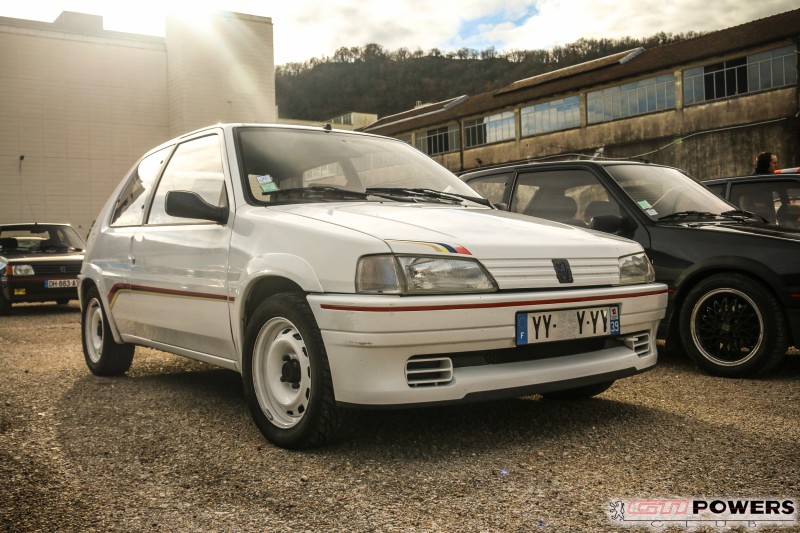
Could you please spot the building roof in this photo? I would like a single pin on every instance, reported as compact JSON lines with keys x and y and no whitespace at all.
{"x":623,"y":65}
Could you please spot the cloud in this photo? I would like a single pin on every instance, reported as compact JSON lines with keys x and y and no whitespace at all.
{"x":315,"y":28}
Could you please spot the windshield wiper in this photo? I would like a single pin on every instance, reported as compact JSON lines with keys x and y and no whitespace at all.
{"x":689,"y":214}
{"x":741,"y":214}
{"x":428,"y":195}
{"x":316,"y":192}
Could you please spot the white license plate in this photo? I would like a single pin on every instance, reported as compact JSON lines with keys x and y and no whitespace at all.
{"x":564,"y":324}
{"x":61,"y":283}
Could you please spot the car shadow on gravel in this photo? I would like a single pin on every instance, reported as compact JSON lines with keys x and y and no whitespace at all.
{"x":486,"y":426}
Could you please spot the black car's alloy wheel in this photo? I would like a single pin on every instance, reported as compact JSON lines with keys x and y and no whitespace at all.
{"x":733,"y":326}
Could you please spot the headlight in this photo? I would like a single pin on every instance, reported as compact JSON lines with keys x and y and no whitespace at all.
{"x":635,"y":268}
{"x":22,"y":270}
{"x":404,"y":274}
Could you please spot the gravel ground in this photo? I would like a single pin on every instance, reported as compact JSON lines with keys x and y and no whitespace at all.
{"x":171,"y":447}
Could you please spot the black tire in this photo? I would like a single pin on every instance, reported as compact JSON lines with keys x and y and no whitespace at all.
{"x":579,"y":393}
{"x":5,"y":305}
{"x":731,"y":325}
{"x":286,"y":376}
{"x":103,"y":355}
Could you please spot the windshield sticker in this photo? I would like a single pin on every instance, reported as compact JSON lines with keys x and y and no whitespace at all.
{"x":644,"y":204}
{"x":267,"y":185}
{"x":651,"y":212}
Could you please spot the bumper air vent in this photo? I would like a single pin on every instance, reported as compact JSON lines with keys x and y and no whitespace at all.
{"x":638,"y":342}
{"x":429,"y":371}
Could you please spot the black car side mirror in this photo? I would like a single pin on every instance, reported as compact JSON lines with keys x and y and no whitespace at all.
{"x":502,"y":206}
{"x":611,"y":223}
{"x":187,"y":204}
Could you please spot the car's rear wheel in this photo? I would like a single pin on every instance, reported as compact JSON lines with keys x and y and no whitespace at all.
{"x":731,"y":325}
{"x":579,"y":393}
{"x":286,"y":375}
{"x":103,"y":355}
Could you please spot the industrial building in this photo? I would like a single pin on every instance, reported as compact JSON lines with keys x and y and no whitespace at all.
{"x":707,"y":105}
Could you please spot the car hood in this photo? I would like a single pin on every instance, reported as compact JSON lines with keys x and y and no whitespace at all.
{"x":481,"y":232}
{"x":516,"y":249}
{"x":760,"y":230}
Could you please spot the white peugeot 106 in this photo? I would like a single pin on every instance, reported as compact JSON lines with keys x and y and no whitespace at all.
{"x":335,"y":269}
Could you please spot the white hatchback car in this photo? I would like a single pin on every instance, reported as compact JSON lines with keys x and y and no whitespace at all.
{"x":336,"y":269}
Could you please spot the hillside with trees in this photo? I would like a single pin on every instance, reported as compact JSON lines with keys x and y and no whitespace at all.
{"x":371,"y":79}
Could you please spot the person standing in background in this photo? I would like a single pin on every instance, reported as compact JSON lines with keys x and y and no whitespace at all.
{"x":766,"y":163}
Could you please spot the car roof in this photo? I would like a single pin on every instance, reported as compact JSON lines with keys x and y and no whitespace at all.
{"x":21,"y":224}
{"x":753,"y":177}
{"x":514,"y":167}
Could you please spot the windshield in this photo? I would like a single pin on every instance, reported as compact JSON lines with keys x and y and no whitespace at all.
{"x":40,"y":238}
{"x":283,"y":165}
{"x":667,"y":193}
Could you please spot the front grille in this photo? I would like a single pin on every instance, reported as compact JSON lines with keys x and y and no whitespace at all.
{"x":539,"y":273}
{"x":55,"y":269}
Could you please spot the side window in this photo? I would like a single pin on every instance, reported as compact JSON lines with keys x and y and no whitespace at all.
{"x":195,"y":166}
{"x":759,"y":198}
{"x":571,"y":196}
{"x":129,"y":209}
{"x":493,"y":188}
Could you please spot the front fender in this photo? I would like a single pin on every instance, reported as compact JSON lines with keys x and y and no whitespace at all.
{"x":288,"y":267}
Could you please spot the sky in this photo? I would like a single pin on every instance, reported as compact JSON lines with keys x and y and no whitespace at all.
{"x":304,"y":29}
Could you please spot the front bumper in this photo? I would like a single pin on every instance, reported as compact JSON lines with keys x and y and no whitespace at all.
{"x":376,"y":344}
{"x":35,"y":289}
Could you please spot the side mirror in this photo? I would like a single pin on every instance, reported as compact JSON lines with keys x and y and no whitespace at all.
{"x":187,"y":204}
{"x":611,"y":223}
{"x":501,"y":206}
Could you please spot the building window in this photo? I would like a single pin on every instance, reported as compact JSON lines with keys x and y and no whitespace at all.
{"x":438,"y":140}
{"x":551,"y":116}
{"x":742,"y":75}
{"x":636,"y":98}
{"x":485,"y":130}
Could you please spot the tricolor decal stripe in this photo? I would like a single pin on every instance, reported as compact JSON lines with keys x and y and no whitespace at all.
{"x":122,"y":287}
{"x":441,"y":247}
{"x":526,"y":303}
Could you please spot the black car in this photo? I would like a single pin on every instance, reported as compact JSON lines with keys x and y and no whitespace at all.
{"x":775,"y":197}
{"x":734,"y":279}
{"x":39,"y":263}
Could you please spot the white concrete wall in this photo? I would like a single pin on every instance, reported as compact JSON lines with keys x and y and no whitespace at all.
{"x":82,"y":104}
{"x":221,"y":69}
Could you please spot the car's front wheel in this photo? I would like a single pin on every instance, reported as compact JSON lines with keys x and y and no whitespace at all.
{"x":731,"y":325}
{"x":103,"y":355}
{"x":286,"y":375}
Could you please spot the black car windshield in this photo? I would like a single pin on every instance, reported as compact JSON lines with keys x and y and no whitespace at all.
{"x":39,"y":238}
{"x":664,"y":193}
{"x":286,"y":165}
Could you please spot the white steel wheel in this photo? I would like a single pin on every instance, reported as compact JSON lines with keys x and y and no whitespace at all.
{"x":286,"y":376}
{"x":93,"y":330}
{"x":281,"y":373}
{"x":103,"y":355}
